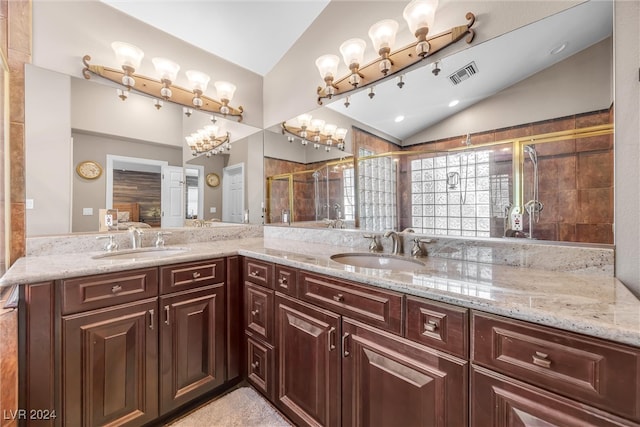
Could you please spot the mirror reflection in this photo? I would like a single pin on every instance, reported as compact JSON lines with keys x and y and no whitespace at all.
{"x":532,"y":158}
{"x":147,"y":171}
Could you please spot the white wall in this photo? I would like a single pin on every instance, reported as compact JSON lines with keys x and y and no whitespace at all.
{"x":48,"y":151}
{"x":627,"y":143}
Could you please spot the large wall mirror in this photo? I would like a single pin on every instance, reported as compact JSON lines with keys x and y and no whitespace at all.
{"x":527,"y":152}
{"x":140,"y":152}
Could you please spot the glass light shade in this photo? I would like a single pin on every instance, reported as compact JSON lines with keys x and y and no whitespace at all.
{"x":341,"y":133}
{"x":383,"y":34}
{"x":166,"y":69}
{"x":328,"y":65}
{"x":127,"y":54}
{"x":225,"y":90}
{"x":304,"y":120}
{"x":329,"y":129}
{"x":198,"y":80}
{"x":353,"y":51}
{"x":317,"y":125}
{"x":212,"y":130}
{"x":420,"y":14}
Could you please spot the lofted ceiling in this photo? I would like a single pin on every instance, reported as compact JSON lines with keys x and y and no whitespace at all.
{"x":238,"y":32}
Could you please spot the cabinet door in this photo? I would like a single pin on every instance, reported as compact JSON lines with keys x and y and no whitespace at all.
{"x":110,"y":366}
{"x":391,"y":381}
{"x":499,"y":401}
{"x":308,"y":363}
{"x":192,"y":344}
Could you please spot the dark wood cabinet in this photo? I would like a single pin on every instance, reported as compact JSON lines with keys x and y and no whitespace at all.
{"x":497,"y":400}
{"x":110,"y":365}
{"x":308,"y":363}
{"x":391,"y":381}
{"x":192,"y":344}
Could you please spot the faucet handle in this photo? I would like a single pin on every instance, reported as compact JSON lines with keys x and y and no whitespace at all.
{"x":111,"y":245}
{"x":417,"y":250}
{"x":374,"y":246}
{"x":160,"y":238}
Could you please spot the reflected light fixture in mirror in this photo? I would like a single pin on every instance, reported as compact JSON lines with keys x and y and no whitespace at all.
{"x":130,"y":57}
{"x":208,"y":140}
{"x":419,"y":15}
{"x":315,"y":131}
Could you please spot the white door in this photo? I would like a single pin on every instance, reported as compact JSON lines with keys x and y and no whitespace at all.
{"x":233,"y":193}
{"x":172,"y":196}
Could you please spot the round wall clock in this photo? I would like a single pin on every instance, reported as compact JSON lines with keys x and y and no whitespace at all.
{"x":213,"y":180}
{"x":89,"y":169}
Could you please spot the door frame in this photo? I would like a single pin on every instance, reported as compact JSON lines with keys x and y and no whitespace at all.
{"x":146,"y":163}
{"x":226,"y":183}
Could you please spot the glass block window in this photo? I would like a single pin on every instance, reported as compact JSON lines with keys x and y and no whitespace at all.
{"x":451,"y":194}
{"x":377,"y":191}
{"x":349,"y":192}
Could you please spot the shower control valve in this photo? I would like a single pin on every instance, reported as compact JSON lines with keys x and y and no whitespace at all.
{"x":375,"y":245}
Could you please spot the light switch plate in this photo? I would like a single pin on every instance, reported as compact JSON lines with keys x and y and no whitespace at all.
{"x":28,"y":204}
{"x":212,"y":210}
{"x":87,"y":211}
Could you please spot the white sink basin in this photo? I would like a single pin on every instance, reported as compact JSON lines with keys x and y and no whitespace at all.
{"x":380,"y":261}
{"x":142,"y":253}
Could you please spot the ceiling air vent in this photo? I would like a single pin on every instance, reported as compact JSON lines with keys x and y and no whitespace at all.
{"x":463,"y":73}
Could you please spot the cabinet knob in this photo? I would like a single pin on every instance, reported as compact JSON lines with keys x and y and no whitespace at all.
{"x":431,"y":325}
{"x":254,"y":273}
{"x":338,"y":298}
{"x":255,"y":312}
{"x":196,"y":274}
{"x":541,"y":359}
{"x":116,"y":288}
{"x":255,"y":365}
{"x":282,"y":281}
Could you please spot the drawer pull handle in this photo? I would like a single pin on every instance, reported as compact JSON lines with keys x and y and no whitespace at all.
{"x":255,"y":312}
{"x":431,"y":326}
{"x":331,"y":338}
{"x":116,"y":288}
{"x":345,"y":351}
{"x":254,"y":273}
{"x":541,"y":359}
{"x":151,"y":316}
{"x":166,"y":314}
{"x":196,"y":274}
{"x":338,"y":298}
{"x":283,"y":281}
{"x":255,"y":365}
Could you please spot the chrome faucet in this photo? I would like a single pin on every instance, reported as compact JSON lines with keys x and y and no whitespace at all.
{"x":160,"y":238}
{"x":136,"y":237}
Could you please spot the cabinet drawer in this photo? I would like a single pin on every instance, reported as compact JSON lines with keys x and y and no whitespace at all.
{"x":370,"y":305}
{"x":258,"y":272}
{"x":604,"y":374}
{"x":179,"y":277}
{"x":438,"y":325}
{"x":105,"y":290}
{"x":286,"y":280}
{"x":260,"y":366}
{"x":496,"y":399}
{"x":258,"y":311}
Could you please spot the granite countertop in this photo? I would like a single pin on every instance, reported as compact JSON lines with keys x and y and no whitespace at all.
{"x":598,"y":306}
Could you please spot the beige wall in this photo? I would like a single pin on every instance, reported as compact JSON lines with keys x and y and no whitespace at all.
{"x":627,"y":143}
{"x":212,"y":195}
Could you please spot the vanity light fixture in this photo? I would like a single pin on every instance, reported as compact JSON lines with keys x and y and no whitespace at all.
{"x":420,"y":15}
{"x":130,"y":57}
{"x":315,"y":131}
{"x":208,"y":140}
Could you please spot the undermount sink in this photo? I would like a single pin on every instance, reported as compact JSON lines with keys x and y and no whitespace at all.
{"x":380,"y":261}
{"x":142,"y":253}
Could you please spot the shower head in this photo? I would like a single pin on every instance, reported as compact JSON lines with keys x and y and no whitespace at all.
{"x":531,"y":151}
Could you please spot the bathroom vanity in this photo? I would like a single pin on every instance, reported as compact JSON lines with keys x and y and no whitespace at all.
{"x":453,"y":342}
